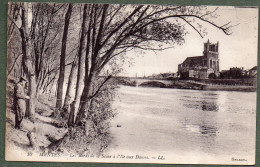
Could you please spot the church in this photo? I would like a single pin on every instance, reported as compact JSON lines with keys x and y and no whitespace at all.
{"x":203,"y":67}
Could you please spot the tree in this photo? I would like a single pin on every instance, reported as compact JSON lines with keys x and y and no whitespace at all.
{"x":62,"y":58}
{"x":80,"y":74}
{"x":44,"y":33}
{"x":27,"y":59}
{"x":116,"y":29}
{"x":44,"y":38}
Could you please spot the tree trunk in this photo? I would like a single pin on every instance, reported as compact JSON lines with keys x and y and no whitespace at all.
{"x":32,"y":93}
{"x":62,"y":58}
{"x":68,"y":97}
{"x":27,"y":61}
{"x":83,"y":105}
{"x":84,"y":99}
{"x":81,"y":71}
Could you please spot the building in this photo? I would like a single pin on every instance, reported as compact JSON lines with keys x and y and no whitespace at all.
{"x":204,"y":67}
{"x":233,"y":73}
{"x":253,"y":72}
{"x":238,"y":73}
{"x":253,"y":75}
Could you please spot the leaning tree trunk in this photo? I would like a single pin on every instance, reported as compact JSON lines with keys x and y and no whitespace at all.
{"x":84,"y":100}
{"x":62,"y":58}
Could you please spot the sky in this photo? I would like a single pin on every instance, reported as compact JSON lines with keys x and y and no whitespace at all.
{"x":236,"y":50}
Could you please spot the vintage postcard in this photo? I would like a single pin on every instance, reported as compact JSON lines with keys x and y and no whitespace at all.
{"x":116,"y":83}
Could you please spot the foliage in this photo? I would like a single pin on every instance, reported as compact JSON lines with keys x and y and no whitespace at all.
{"x":93,"y":131}
{"x":100,"y":109}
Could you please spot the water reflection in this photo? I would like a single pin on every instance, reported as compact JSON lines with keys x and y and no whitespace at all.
{"x":202,"y":105}
{"x":206,"y":130}
{"x":209,"y":106}
{"x":202,"y":101}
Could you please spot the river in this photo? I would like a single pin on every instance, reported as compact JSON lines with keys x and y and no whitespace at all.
{"x":183,"y":126}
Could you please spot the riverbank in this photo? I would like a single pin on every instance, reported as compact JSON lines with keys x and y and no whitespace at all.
{"x":49,"y":133}
{"x":230,"y":88}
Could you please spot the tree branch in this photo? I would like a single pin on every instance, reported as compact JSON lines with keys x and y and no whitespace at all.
{"x":14,"y":64}
{"x":14,"y":22}
{"x":209,"y":13}
{"x":192,"y":26}
{"x":100,"y":86}
{"x":121,"y":25}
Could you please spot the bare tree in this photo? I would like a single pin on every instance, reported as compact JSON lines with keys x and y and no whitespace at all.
{"x":44,"y":34}
{"x":115,"y":30}
{"x":62,"y":58}
{"x":81,"y":66}
{"x":27,"y":59}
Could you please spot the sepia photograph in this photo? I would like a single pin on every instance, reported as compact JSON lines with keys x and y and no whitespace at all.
{"x":131,"y":83}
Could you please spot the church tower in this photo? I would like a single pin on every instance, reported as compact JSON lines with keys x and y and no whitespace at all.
{"x":211,"y":54}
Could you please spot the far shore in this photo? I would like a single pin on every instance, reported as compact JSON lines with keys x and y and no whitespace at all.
{"x":231,"y":88}
{"x":182,"y":84}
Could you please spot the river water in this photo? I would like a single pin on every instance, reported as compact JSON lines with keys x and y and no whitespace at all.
{"x":159,"y":125}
